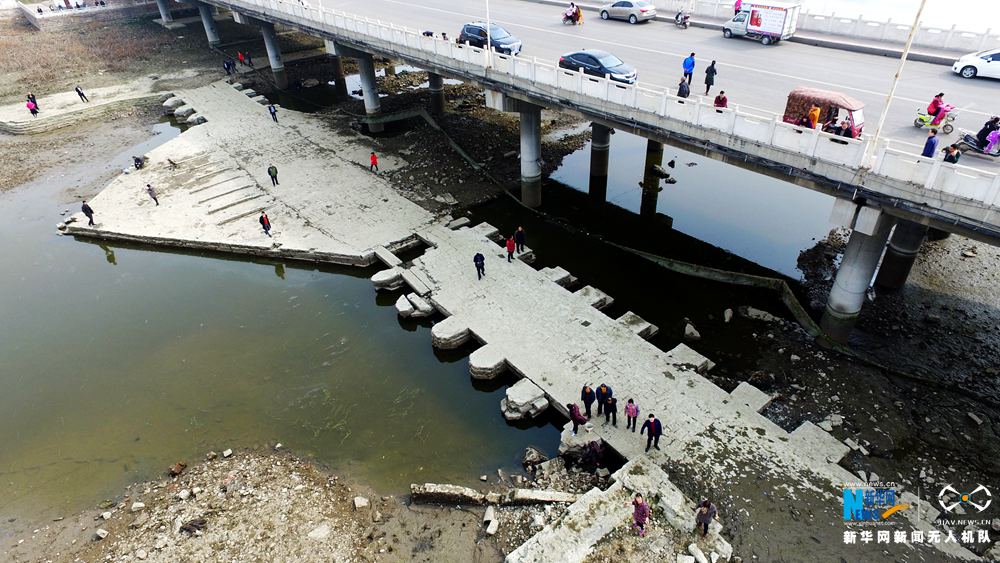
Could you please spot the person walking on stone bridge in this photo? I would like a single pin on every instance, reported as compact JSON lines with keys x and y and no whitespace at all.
{"x":519,"y":239}
{"x":373,"y":162}
{"x":152,"y":194}
{"x":575,"y":417}
{"x":480,"y":261}
{"x":510,"y":248}
{"x":631,"y":415}
{"x":588,"y":397}
{"x":655,"y":430}
{"x":603,"y":393}
{"x":89,"y":212}
{"x":683,"y":90}
{"x":273,"y":111}
{"x":710,"y":73}
{"x":79,"y":92}
{"x":611,"y":411}
{"x":272,"y":171}
{"x":640,"y":514}
{"x":688,"y":66}
{"x":265,"y":223}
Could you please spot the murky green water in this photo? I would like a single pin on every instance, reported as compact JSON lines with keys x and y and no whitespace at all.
{"x":117,"y":362}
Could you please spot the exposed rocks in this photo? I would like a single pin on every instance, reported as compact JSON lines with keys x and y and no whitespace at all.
{"x":524,"y":399}
{"x":727,"y":315}
{"x":388,"y":280}
{"x":137,"y":506}
{"x":532,"y":456}
{"x":360,"y":503}
{"x":320,"y":532}
{"x":404,"y":307}
{"x":691,"y":333}
{"x":227,"y":453}
{"x":487,"y":362}
{"x":758,"y":315}
{"x":101,"y":533}
{"x":445,"y":494}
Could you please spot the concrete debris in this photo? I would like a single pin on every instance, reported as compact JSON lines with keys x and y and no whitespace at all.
{"x":538,"y":521}
{"x":727,"y":315}
{"x":101,"y":533}
{"x":825,"y":425}
{"x":184,"y":494}
{"x":536,"y":496}
{"x":685,"y":558}
{"x":492,"y":528}
{"x":404,"y":307}
{"x":975,"y":418}
{"x":137,"y":506}
{"x":794,"y":358}
{"x":533,"y":456}
{"x":697,"y":553}
{"x":490,"y":514}
{"x":320,"y":532}
{"x":835,"y":420}
{"x":445,"y":494}
{"x":483,"y":478}
{"x":757,"y":315}
{"x":227,"y":453}
{"x":691,"y":333}
{"x":360,"y":502}
{"x":421,"y":307}
{"x":524,"y":399}
{"x":141,"y":554}
{"x":177,"y":468}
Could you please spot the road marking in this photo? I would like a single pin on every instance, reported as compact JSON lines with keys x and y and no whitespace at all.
{"x":679,"y":55}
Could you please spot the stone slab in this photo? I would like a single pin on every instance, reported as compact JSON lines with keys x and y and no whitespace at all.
{"x":386,"y":256}
{"x":594,"y":297}
{"x":558,"y":275}
{"x":487,"y":362}
{"x":636,"y":324}
{"x":750,"y":396}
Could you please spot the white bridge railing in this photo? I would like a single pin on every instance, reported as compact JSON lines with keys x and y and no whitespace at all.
{"x":651,"y":106}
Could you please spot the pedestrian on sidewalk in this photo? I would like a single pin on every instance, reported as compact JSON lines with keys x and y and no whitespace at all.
{"x":683,"y":90}
{"x":588,"y":397}
{"x":152,"y":194}
{"x":611,"y":411}
{"x":721,"y":101}
{"x":249,"y":59}
{"x":510,"y":248}
{"x":704,"y":514}
{"x":265,"y":223}
{"x":655,"y":429}
{"x":32,"y":108}
{"x":689,"y":68}
{"x":88,"y":212}
{"x":519,"y":239}
{"x":480,"y":261}
{"x":373,"y":159}
{"x":603,"y":392}
{"x":575,"y":417}
{"x":631,"y":415}
{"x":241,"y":58}
{"x":273,"y":111}
{"x":272,"y":171}
{"x":640,"y":514}
{"x":225,"y":67}
{"x":31,"y":98}
{"x":710,"y":73}
{"x":930,"y":145}
{"x":79,"y":92}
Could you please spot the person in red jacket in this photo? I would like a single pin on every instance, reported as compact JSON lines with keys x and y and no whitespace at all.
{"x":510,"y":247}
{"x":374,"y":162}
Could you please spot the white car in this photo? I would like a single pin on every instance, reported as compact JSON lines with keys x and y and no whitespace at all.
{"x":983,"y":63}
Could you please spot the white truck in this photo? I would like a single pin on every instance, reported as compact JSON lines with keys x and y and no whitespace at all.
{"x":767,"y":22}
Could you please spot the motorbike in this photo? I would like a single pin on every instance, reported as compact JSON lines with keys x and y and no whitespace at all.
{"x":924,"y":119}
{"x":970,"y":142}
{"x":568,"y":19}
{"x":681,"y":20}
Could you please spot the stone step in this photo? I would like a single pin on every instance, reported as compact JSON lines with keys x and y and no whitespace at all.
{"x":558,"y":276}
{"x":523,"y":400}
{"x":387,"y":257}
{"x":636,"y":324}
{"x":683,"y":355}
{"x":746,"y":394}
{"x":487,"y":362}
{"x":595,"y":297}
{"x":417,"y":282}
{"x":818,"y":445}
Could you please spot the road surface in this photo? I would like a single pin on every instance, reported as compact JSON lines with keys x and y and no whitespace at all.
{"x":751,"y":74}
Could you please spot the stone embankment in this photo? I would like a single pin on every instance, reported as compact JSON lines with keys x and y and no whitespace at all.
{"x":329,"y":207}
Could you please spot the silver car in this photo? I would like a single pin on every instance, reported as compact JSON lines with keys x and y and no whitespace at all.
{"x":634,"y":11}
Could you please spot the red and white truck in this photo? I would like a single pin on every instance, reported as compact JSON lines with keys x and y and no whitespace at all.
{"x":767,"y":22}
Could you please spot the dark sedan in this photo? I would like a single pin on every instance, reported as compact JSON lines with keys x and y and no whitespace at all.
{"x":599,"y":63}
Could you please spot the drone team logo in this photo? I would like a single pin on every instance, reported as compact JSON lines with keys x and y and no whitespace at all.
{"x":980,"y":498}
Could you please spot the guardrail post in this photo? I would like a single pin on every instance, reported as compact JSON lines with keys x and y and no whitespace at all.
{"x":985,"y":40}
{"x":994,"y":193}
{"x":663,"y":103}
{"x":947,"y":39}
{"x":932,"y":176}
{"x":814,"y":142}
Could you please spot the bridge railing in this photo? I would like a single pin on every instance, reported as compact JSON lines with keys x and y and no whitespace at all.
{"x":652,"y":105}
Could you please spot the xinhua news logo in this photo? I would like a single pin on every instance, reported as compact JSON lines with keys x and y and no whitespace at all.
{"x":872,"y":504}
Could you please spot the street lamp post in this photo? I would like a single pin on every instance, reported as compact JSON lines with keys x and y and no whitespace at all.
{"x":895,"y":81}
{"x":489,"y":38}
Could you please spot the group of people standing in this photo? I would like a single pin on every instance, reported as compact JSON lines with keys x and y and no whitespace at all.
{"x":684,"y":87}
{"x":607,"y":404}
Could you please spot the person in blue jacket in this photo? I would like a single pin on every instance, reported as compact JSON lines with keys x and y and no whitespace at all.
{"x":689,"y":68}
{"x":930,"y":145}
{"x":603,"y":392}
{"x":655,"y":430}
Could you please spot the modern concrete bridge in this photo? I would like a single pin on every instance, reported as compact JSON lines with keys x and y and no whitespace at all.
{"x":883,"y":191}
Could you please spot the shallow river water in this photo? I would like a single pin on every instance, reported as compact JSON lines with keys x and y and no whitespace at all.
{"x":117,"y":362}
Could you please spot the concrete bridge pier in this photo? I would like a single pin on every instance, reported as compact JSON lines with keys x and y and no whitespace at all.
{"x":274,"y":54}
{"x":531,"y":154}
{"x":165,"y":14}
{"x":600,"y":145}
{"x":900,"y":254}
{"x":208,"y":20}
{"x":369,"y":89}
{"x":436,"y":87}
{"x":853,"y":278}
{"x":650,"y":180}
{"x":339,"y":83}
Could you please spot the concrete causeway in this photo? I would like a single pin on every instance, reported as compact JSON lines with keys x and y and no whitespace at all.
{"x":330,"y":208}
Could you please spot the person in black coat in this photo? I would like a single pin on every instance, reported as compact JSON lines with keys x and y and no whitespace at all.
{"x":603,"y":392}
{"x":519,"y":239}
{"x":611,"y":411}
{"x":588,"y":397}
{"x":89,"y":213}
{"x":655,"y":430}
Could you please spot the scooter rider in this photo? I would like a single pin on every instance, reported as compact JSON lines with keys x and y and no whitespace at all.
{"x":939,"y":109}
{"x":681,"y":18}
{"x":570,"y":13}
{"x":992,"y":125}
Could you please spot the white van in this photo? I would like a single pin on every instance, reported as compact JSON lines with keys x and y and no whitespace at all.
{"x":768,"y":23}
